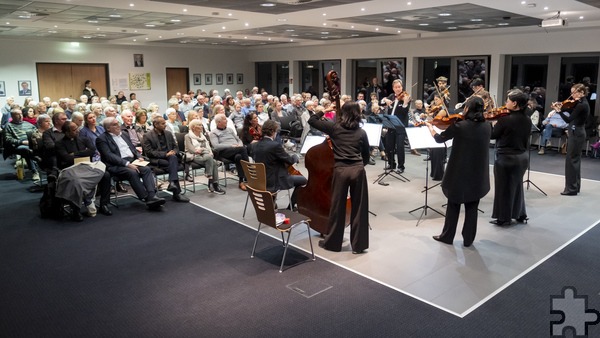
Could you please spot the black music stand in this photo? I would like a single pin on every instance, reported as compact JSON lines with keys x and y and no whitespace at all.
{"x":426,"y":191}
{"x":386,"y":172}
{"x":534,"y":129}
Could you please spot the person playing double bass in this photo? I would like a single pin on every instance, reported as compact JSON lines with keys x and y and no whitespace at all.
{"x":351,"y":154}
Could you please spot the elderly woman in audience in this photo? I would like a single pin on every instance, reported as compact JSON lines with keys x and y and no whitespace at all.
{"x":43,"y":123}
{"x":76,"y":118}
{"x":27,"y":101}
{"x":173,"y":123}
{"x":141,"y":123}
{"x":237,"y":117}
{"x":262,"y":115}
{"x":198,"y":150}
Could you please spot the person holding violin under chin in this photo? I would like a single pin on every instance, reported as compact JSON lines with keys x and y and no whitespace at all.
{"x":467,"y":177}
{"x":437,"y":155}
{"x":511,"y":133}
{"x":397,"y":104}
{"x":578,"y":110}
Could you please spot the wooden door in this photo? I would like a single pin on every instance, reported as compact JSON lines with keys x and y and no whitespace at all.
{"x":59,"y":80}
{"x":177,"y":81}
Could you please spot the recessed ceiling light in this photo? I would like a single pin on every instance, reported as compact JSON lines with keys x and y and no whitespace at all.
{"x":134,"y":40}
{"x":223,"y":27}
{"x":150,"y":25}
{"x":581,"y":17}
{"x":52,"y":32}
{"x":229,"y":14}
{"x":444,"y":14}
{"x":93,"y":21}
{"x":324,"y":14}
{"x":476,"y":20}
{"x":376,"y":28}
{"x":135,"y":31}
{"x":355,"y":35}
{"x":389,"y":20}
{"x":399,"y":31}
{"x":324,"y":23}
{"x":185,"y":9}
{"x":147,"y":39}
{"x":452,"y":27}
{"x":75,"y":44}
{"x":362,"y":9}
{"x":86,"y":37}
{"x":291,"y":40}
{"x":409,"y":3}
{"x":268,"y":4}
{"x":160,"y":36}
{"x":546,"y":8}
{"x":115,"y":16}
{"x":175,"y":20}
{"x":503,"y":24}
{"x":423,"y":24}
{"x":523,"y":2}
{"x":246,"y":24}
{"x":201,"y":40}
{"x":294,"y":35}
{"x":269,"y":39}
{"x":325,"y":33}
{"x":204,"y":30}
{"x":260,"y":33}
{"x":352,"y":27}
{"x":131,"y":5}
{"x":448,"y":21}
{"x":289,"y":30}
{"x":324,"y":37}
{"x":282,"y":20}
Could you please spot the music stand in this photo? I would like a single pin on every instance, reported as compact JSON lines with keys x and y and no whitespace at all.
{"x":534,"y":129}
{"x":420,"y":137}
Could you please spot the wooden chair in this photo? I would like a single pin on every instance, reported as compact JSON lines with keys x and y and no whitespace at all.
{"x":265,"y":213}
{"x":256,"y":176}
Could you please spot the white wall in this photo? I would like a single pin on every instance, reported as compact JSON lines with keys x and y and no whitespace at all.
{"x":18,"y":62}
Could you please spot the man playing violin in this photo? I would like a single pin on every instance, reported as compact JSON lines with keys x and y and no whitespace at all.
{"x":442,"y":87}
{"x":479,"y":90}
{"x":397,"y":105}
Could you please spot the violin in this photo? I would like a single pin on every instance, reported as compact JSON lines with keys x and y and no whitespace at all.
{"x":445,"y":121}
{"x":402,"y":95}
{"x":434,"y":109}
{"x":496,"y":113}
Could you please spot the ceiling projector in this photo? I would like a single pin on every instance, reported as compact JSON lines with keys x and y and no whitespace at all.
{"x":553,"y":22}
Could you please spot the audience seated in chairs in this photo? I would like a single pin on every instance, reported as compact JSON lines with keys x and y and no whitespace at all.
{"x":78,"y":183}
{"x":49,"y":139}
{"x":553,"y":126}
{"x":228,"y":146}
{"x":16,"y":140}
{"x":277,"y":160}
{"x":129,"y":128}
{"x":118,"y":153}
{"x":251,"y":131}
{"x":197,"y":149}
{"x":160,"y":147}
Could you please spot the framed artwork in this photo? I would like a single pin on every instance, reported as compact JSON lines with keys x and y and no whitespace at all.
{"x":138,"y":60}
{"x":208,"y":79}
{"x":230,"y":78}
{"x":219,"y":78}
{"x":240,"y":78}
{"x":24,"y":88}
{"x":197,"y":79}
{"x":140,"y":81}
{"x":2,"y":89}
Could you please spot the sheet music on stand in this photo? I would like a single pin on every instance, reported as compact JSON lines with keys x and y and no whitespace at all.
{"x":373,"y":133}
{"x":311,"y":141}
{"x":420,"y":138}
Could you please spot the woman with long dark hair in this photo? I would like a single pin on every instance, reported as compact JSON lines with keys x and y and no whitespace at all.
{"x":578,"y":114}
{"x":511,"y":133}
{"x":351,"y":154}
{"x":467,"y":177}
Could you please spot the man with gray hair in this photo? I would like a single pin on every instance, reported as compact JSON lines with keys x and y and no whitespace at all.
{"x":118,"y":153}
{"x":228,"y":146}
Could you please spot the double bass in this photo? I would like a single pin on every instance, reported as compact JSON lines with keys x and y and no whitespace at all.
{"x":314,"y":199}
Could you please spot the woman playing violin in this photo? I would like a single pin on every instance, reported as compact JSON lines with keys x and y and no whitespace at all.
{"x":437,"y":155}
{"x":511,"y":133}
{"x":467,"y":177}
{"x":394,"y":143}
{"x":578,"y":109}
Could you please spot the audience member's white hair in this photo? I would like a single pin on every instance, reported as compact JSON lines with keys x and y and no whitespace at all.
{"x":173,"y":102}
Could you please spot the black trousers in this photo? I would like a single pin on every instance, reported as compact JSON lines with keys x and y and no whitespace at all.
{"x":509,"y":198}
{"x":438,"y":159}
{"x":469,"y":227}
{"x":394,"y":145}
{"x":171,"y":163}
{"x":573,"y":160}
{"x":235,"y":154}
{"x":146,"y":188}
{"x":355,"y":179}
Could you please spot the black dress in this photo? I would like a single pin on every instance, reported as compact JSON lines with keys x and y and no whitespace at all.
{"x":576,"y":133}
{"x":512,"y":143}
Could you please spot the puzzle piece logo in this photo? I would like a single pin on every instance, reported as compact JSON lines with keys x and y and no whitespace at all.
{"x":576,"y":317}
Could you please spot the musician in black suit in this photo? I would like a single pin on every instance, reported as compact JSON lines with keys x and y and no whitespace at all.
{"x":117,"y":152}
{"x":88,"y":90}
{"x":160,"y":147}
{"x":467,"y":178}
{"x":400,"y":109}
{"x":276,"y":161}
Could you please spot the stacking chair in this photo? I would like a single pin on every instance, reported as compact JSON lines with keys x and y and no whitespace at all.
{"x":265,"y":213}
{"x":188,"y":165}
{"x":256,"y":176}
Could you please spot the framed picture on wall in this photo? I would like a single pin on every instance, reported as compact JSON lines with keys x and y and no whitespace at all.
{"x":208,"y":79}
{"x":2,"y":89}
{"x":24,"y":88}
{"x":197,"y":79}
{"x":219,"y":78}
{"x":240,"y":78}
{"x":229,"y":78}
{"x":138,"y":60}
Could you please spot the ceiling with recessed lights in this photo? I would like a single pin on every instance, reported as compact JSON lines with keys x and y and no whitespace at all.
{"x":234,"y":23}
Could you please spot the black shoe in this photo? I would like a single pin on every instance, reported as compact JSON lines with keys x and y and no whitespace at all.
{"x":154,"y":202}
{"x":180,"y":198}
{"x":466,"y":245}
{"x":173,"y":187}
{"x":358,"y":252}
{"x":121,"y":188}
{"x":76,"y":216}
{"x":322,"y":244}
{"x":104,"y":210}
{"x":568,"y":193}
{"x":189,"y":178}
{"x":439,"y":239}
{"x":500,"y":223}
{"x":399,"y":170}
{"x":216,"y":189}
{"x":523,"y":219}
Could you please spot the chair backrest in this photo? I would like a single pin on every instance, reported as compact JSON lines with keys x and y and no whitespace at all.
{"x":256,"y":174}
{"x":180,"y":137}
{"x":262,"y":201}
